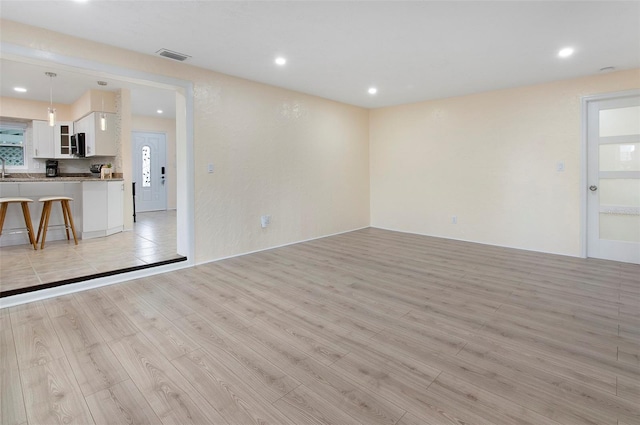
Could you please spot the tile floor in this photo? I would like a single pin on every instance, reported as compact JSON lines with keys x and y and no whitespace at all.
{"x":153,"y":239}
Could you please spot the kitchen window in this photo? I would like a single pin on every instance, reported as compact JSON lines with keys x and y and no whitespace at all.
{"x":13,"y":145}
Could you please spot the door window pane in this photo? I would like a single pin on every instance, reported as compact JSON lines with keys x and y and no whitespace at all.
{"x":619,"y":192}
{"x":620,"y":227}
{"x":620,"y":121}
{"x":620,"y":157}
{"x":146,"y":166}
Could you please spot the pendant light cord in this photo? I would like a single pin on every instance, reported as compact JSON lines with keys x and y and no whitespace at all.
{"x":51,"y":75}
{"x":51,"y":111}
{"x":103,"y":115}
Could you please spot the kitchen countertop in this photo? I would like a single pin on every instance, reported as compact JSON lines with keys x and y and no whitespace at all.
{"x":40,"y":177}
{"x":54,"y":179}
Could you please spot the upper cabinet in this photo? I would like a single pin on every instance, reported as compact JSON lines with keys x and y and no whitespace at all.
{"x":97,"y":141}
{"x":62,"y":139}
{"x":43,"y":136}
{"x":56,"y":142}
{"x":52,"y":142}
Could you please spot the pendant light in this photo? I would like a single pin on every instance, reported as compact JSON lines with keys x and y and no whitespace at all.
{"x":103,"y":115}
{"x":51,"y":112}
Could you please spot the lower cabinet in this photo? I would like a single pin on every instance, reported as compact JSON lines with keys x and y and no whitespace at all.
{"x":97,"y":208}
{"x":102,"y":208}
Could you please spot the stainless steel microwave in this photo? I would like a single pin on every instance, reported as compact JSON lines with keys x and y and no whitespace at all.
{"x":78,"y":145}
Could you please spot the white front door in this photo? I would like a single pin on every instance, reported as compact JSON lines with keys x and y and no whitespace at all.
{"x":613,"y":195}
{"x":149,"y":165}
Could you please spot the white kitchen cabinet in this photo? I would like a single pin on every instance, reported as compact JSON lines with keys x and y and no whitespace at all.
{"x":115,"y":210}
{"x":43,"y":137}
{"x":62,"y":139}
{"x":102,"y":208}
{"x":98,"y":142}
{"x":52,"y":142}
{"x":94,"y":207}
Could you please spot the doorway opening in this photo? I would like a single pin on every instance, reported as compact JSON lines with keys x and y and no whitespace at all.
{"x":184,"y":175}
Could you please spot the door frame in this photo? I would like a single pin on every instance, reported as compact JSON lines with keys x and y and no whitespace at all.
{"x":584,"y":158}
{"x":166,"y":194}
{"x":185,"y":170}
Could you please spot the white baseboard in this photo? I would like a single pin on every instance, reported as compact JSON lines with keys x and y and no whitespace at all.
{"x":480,"y":243}
{"x":281,"y":246}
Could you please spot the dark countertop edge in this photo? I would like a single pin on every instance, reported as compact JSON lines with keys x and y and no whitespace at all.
{"x":55,"y":179}
{"x":43,"y":175}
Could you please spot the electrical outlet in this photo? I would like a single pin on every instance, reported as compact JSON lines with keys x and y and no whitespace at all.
{"x":265,"y":220}
{"x":454,"y":219}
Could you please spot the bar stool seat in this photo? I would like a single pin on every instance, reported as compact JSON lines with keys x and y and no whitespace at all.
{"x":24,"y":202}
{"x":46,"y":213}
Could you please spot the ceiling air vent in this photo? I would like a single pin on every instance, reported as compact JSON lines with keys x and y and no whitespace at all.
{"x":173,"y":55}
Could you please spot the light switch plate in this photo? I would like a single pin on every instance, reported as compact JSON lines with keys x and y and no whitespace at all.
{"x":210,"y":168}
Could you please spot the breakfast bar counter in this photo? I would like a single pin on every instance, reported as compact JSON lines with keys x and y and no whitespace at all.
{"x":97,"y":206}
{"x":53,"y":179}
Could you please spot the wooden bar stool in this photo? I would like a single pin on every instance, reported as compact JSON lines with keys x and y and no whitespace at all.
{"x":46,"y":213}
{"x":4,"y":203}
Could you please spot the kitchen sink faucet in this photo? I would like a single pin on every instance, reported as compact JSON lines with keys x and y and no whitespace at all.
{"x":4,"y":163}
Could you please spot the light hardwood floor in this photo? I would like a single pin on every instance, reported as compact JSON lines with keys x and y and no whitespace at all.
{"x":369,"y":327}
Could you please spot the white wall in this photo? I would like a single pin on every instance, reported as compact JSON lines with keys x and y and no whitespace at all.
{"x":489,"y":159}
{"x":299,"y":158}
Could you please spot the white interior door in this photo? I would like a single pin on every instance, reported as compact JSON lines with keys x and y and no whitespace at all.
{"x":149,"y":164}
{"x":613,"y":198}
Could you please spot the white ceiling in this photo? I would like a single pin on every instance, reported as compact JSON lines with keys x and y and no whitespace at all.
{"x":410,"y":51}
{"x":68,"y":86}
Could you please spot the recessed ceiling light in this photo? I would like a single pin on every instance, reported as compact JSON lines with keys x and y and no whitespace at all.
{"x":20,"y":89}
{"x":566,"y":52}
{"x":280,"y":61}
{"x":372,"y":90}
{"x":160,"y":111}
